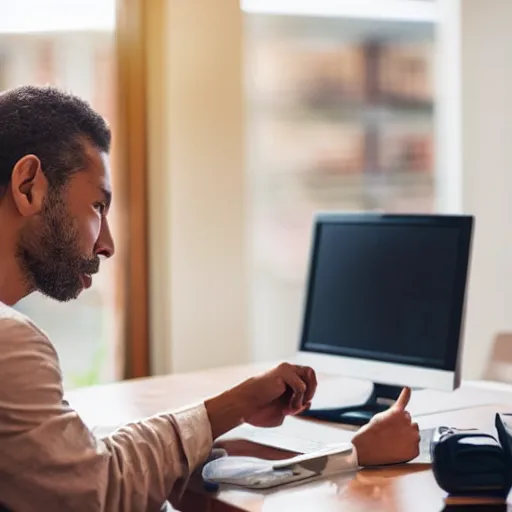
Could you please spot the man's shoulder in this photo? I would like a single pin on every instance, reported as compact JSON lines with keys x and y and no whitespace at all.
{"x":10,"y":319}
{"x":9,"y":315}
{"x":29,"y":367}
{"x":16,"y":329}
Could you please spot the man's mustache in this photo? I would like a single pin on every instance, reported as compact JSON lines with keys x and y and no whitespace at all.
{"x":91,"y":266}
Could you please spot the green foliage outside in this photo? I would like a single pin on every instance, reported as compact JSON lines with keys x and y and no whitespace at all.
{"x":92,"y":376}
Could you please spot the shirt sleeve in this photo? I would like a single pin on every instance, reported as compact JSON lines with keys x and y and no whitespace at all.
{"x":50,"y":460}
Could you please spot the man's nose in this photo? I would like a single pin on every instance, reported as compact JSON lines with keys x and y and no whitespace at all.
{"x":105,"y":245}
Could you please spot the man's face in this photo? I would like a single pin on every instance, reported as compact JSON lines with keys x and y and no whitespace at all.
{"x":59,"y":248}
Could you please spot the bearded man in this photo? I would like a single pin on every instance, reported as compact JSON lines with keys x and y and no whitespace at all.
{"x":55,"y":197}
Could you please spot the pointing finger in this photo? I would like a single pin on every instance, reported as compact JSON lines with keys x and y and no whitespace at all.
{"x":403,"y":399}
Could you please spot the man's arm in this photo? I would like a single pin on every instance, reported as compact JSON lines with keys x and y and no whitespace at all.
{"x":51,"y":461}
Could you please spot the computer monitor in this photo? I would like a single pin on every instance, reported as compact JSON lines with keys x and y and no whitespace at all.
{"x":385,"y":302}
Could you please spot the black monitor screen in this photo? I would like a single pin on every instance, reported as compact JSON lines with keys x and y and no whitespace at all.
{"x":389,"y":288}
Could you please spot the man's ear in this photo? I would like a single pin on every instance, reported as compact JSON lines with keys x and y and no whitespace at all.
{"x":28,"y":185}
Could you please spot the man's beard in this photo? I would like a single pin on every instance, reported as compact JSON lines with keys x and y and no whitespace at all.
{"x":50,"y":254}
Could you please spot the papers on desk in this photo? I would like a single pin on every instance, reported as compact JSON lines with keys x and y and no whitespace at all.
{"x":426,"y":401}
{"x":305,"y":436}
{"x":294,"y":435}
{"x":329,"y":460}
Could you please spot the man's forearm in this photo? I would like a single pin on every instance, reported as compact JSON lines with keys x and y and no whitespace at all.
{"x":227,"y":410}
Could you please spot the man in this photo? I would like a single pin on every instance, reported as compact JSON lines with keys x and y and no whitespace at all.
{"x":54,"y":203}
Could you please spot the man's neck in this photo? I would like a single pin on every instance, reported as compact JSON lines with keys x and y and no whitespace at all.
{"x":12,"y":283}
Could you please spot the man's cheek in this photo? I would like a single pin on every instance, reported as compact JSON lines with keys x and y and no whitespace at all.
{"x":89,"y":234}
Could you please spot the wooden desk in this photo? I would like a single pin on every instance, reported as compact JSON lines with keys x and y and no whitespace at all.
{"x":401,"y":488}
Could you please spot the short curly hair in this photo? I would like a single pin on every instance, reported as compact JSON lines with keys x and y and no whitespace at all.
{"x":51,"y":124}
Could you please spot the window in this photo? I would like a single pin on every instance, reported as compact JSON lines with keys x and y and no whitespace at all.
{"x":70,"y":43}
{"x":341,"y":107}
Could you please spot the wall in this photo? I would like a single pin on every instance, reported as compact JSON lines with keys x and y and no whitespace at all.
{"x":198,"y":248}
{"x":199,"y":316}
{"x":487,"y":171}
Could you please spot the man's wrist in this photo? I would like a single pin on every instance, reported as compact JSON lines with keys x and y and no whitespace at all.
{"x":227,"y":410}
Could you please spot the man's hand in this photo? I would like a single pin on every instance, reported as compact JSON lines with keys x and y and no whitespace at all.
{"x":285,"y":390}
{"x":263,"y":400}
{"x":390,"y":437}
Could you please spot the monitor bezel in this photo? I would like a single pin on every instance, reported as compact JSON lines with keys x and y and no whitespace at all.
{"x":452,"y":356}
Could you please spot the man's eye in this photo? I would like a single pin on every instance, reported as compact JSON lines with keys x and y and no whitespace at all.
{"x":101,"y":207}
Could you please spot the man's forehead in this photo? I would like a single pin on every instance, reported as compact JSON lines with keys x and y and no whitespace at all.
{"x":98,"y":169}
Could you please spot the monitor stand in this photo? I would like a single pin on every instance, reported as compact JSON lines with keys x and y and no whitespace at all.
{"x":381,"y":398}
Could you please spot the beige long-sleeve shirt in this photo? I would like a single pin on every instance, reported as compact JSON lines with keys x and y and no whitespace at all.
{"x":49,"y":459}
